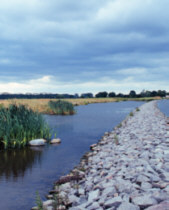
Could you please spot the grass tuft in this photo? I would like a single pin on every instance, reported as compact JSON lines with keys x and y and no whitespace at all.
{"x":61,"y":107}
{"x":131,"y":114}
{"x":137,"y":109}
{"x":116,"y":140}
{"x":39,"y":202}
{"x":119,"y":125}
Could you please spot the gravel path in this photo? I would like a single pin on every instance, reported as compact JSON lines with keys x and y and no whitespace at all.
{"x":127,"y":170}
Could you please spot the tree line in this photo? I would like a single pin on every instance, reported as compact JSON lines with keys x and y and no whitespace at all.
{"x":133,"y":94}
{"x":104,"y":94}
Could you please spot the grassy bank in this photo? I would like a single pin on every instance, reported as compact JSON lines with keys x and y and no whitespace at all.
{"x":41,"y":105}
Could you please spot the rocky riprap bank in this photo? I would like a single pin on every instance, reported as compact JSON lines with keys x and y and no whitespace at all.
{"x":127,"y":170}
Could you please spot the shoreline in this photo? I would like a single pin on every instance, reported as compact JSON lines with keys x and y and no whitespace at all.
{"x":103,"y":180}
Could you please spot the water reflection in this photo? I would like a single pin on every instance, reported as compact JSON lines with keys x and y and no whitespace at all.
{"x":14,"y":163}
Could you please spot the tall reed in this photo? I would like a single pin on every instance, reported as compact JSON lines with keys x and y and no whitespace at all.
{"x":61,"y":107}
{"x":19,"y":125}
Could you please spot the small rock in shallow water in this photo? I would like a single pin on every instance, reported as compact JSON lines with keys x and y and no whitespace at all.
{"x":55,"y":141}
{"x":37,"y":142}
{"x":49,"y":208}
{"x":48,"y":203}
{"x":34,"y":208}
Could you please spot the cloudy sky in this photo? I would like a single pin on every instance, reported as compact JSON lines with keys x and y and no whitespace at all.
{"x":64,"y":46}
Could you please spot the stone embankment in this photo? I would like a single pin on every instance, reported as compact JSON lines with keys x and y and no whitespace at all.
{"x":127,"y":170}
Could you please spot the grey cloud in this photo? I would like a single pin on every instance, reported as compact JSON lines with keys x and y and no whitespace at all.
{"x":66,"y":38}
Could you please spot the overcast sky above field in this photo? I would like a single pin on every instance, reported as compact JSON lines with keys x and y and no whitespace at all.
{"x":75,"y":46}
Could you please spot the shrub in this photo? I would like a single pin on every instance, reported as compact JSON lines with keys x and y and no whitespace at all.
{"x":101,"y":94}
{"x":19,"y":125}
{"x":112,"y":94}
{"x":131,"y":114}
{"x":61,"y":107}
{"x":137,"y":109}
{"x":132,"y":94}
{"x":119,"y":125}
{"x":86,"y":95}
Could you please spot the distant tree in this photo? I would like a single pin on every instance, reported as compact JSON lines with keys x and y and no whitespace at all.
{"x":101,"y":94}
{"x":86,"y":95}
{"x":76,"y":95}
{"x":145,"y":93}
{"x":154,"y":93}
{"x":112,"y":94}
{"x":132,"y":94}
{"x":148,"y":94}
{"x":162,"y":93}
{"x":142,"y":94}
{"x":120,"y":95}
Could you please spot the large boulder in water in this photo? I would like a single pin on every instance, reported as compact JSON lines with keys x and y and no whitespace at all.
{"x":37,"y":142}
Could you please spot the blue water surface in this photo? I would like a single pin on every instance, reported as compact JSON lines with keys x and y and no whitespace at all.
{"x":164,"y":106}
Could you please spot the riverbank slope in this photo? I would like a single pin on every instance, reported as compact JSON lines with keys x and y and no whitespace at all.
{"x":128,"y":169}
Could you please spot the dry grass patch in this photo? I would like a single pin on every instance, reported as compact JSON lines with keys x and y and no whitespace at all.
{"x":41,"y":105}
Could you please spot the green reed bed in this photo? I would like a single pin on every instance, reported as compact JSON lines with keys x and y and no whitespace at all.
{"x":19,"y":125}
{"x":61,"y":107}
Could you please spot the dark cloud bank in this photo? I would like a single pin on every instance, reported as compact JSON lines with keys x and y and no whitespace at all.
{"x":124,"y":44}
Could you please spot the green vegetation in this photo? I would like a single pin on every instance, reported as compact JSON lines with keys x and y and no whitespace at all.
{"x":112,"y":94}
{"x":42,"y":105}
{"x":102,"y":94}
{"x":119,"y":125}
{"x":137,"y":109}
{"x":19,"y":125}
{"x":61,"y":107}
{"x":132,"y":94}
{"x":39,"y":202}
{"x":131,"y":114}
{"x":116,"y":140}
{"x":1,"y":106}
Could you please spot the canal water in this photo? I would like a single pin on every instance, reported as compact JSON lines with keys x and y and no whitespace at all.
{"x":23,"y":172}
{"x":164,"y":106}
